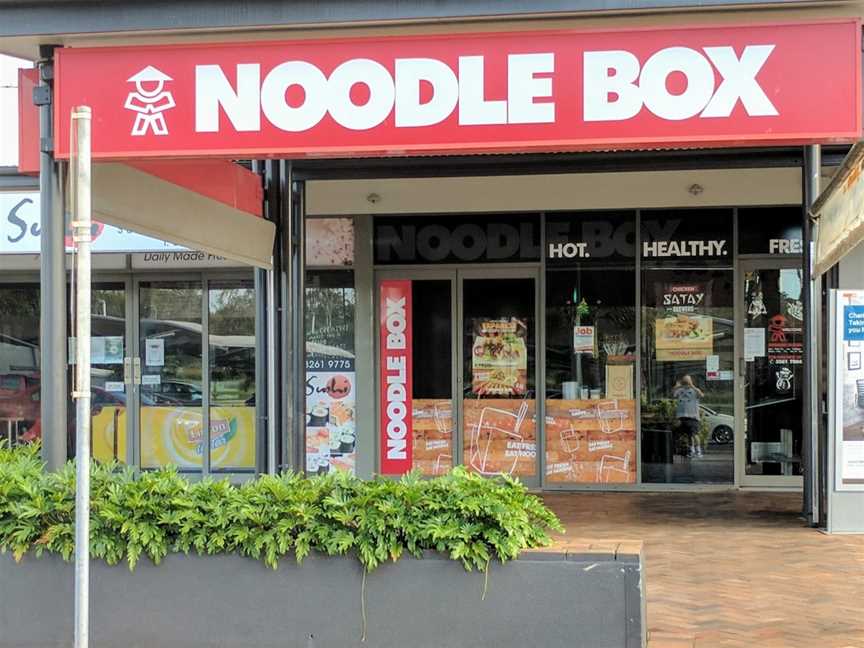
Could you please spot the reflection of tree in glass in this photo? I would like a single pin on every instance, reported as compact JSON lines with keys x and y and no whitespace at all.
{"x":163,"y":305}
{"x":232,"y":337}
{"x":19,"y":327}
{"x":19,"y":302}
{"x":330,"y":316}
{"x":178,"y":302}
{"x":110,"y":302}
{"x":232,"y":311}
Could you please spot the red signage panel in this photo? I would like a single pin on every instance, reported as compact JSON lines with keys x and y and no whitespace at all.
{"x":395,"y":384}
{"x":720,"y":85}
{"x":28,"y":122}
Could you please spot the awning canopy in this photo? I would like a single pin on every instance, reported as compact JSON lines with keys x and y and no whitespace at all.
{"x":839,"y":213}
{"x":165,"y":204}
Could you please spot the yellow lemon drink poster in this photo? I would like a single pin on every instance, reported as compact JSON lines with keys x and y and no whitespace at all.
{"x":176,"y":436}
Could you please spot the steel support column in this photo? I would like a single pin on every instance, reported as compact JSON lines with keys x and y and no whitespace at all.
{"x":295,"y":368}
{"x":52,"y":277}
{"x":264,"y":363}
{"x":810,"y":446}
{"x":273,"y":283}
{"x":293,"y":347}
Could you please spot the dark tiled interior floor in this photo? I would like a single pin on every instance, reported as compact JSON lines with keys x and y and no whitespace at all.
{"x":731,"y":569}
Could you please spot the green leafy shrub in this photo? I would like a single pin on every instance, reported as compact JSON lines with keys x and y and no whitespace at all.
{"x":470,"y":518}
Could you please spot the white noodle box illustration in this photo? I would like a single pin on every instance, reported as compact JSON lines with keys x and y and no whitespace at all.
{"x":486,"y":426}
{"x":149,"y":101}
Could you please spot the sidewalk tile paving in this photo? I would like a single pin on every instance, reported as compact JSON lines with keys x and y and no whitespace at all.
{"x":728,"y":570}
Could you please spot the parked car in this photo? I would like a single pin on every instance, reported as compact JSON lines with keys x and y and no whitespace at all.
{"x":19,"y":397}
{"x":175,"y":392}
{"x":721,"y":427}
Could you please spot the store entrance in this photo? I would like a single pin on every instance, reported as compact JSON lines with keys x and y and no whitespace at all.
{"x":474,"y":367}
{"x":771,"y":372}
{"x":171,"y":359}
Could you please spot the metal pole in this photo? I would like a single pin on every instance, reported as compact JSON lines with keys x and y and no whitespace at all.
{"x":810,"y":441}
{"x":52,"y":277}
{"x":271,"y":372}
{"x":289,"y":405}
{"x":273,"y":283}
{"x":298,"y":332}
{"x":81,"y":236}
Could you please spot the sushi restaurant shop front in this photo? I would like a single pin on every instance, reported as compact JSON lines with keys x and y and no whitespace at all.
{"x":544,"y":308}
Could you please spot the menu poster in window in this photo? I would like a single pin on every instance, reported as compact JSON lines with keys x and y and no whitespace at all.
{"x":848,"y":392}
{"x":785,"y":341}
{"x":331,"y":435}
{"x":114,"y":349}
{"x":499,"y":358}
{"x":154,"y":352}
{"x":754,"y":342}
{"x":103,"y":350}
{"x":683,"y":332}
{"x":583,"y":339}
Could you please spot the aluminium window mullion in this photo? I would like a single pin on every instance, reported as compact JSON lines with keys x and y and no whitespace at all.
{"x":205,"y":374}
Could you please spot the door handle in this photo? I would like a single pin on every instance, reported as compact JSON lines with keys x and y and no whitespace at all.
{"x":136,"y":370}
{"x":127,"y":370}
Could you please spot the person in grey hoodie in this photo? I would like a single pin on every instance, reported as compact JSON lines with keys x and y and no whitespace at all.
{"x":687,"y":397}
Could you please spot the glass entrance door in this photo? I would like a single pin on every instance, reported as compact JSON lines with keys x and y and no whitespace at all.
{"x":473,"y":370}
{"x":433,"y":408}
{"x":170,"y":353}
{"x":771,"y":373}
{"x":194,"y":368}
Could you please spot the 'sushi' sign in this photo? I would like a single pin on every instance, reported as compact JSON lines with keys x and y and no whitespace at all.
{"x":396,"y":366}
{"x":469,"y":92}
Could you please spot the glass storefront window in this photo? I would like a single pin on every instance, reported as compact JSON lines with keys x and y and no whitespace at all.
{"x":108,"y":393}
{"x":774,"y":370}
{"x":231,"y":321}
{"x":19,"y":363}
{"x":774,"y":231}
{"x":432,"y":376}
{"x":591,"y":344}
{"x":687,"y":346}
{"x":170,"y":346}
{"x":498,"y":354}
{"x":331,"y":432}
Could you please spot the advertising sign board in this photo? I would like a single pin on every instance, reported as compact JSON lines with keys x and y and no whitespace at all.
{"x":395,"y":348}
{"x":848,"y":391}
{"x":21,"y":230}
{"x":469,"y":93}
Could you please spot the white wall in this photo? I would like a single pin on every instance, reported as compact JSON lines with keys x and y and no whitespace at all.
{"x":9,"y":109}
{"x":643,"y":189}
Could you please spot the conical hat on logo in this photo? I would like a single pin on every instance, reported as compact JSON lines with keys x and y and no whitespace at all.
{"x":149,"y":73}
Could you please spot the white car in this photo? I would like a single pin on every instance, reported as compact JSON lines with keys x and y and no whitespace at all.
{"x":721,"y":427}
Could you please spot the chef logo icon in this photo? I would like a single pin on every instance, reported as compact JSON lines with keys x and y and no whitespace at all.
{"x":149,"y":100}
{"x":784,"y":380}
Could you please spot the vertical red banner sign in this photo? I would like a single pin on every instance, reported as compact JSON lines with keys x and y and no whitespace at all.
{"x":395,"y":384}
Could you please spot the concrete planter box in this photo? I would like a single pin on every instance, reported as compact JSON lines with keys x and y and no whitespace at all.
{"x":581,"y":598}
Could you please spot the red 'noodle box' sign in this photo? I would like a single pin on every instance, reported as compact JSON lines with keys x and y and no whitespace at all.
{"x":395,"y":385}
{"x":457,"y":93}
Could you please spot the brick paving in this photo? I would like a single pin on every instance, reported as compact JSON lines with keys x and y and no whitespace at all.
{"x":733,"y":569}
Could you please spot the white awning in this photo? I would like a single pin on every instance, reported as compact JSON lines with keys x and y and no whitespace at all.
{"x":839,"y":213}
{"x":132,"y":199}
